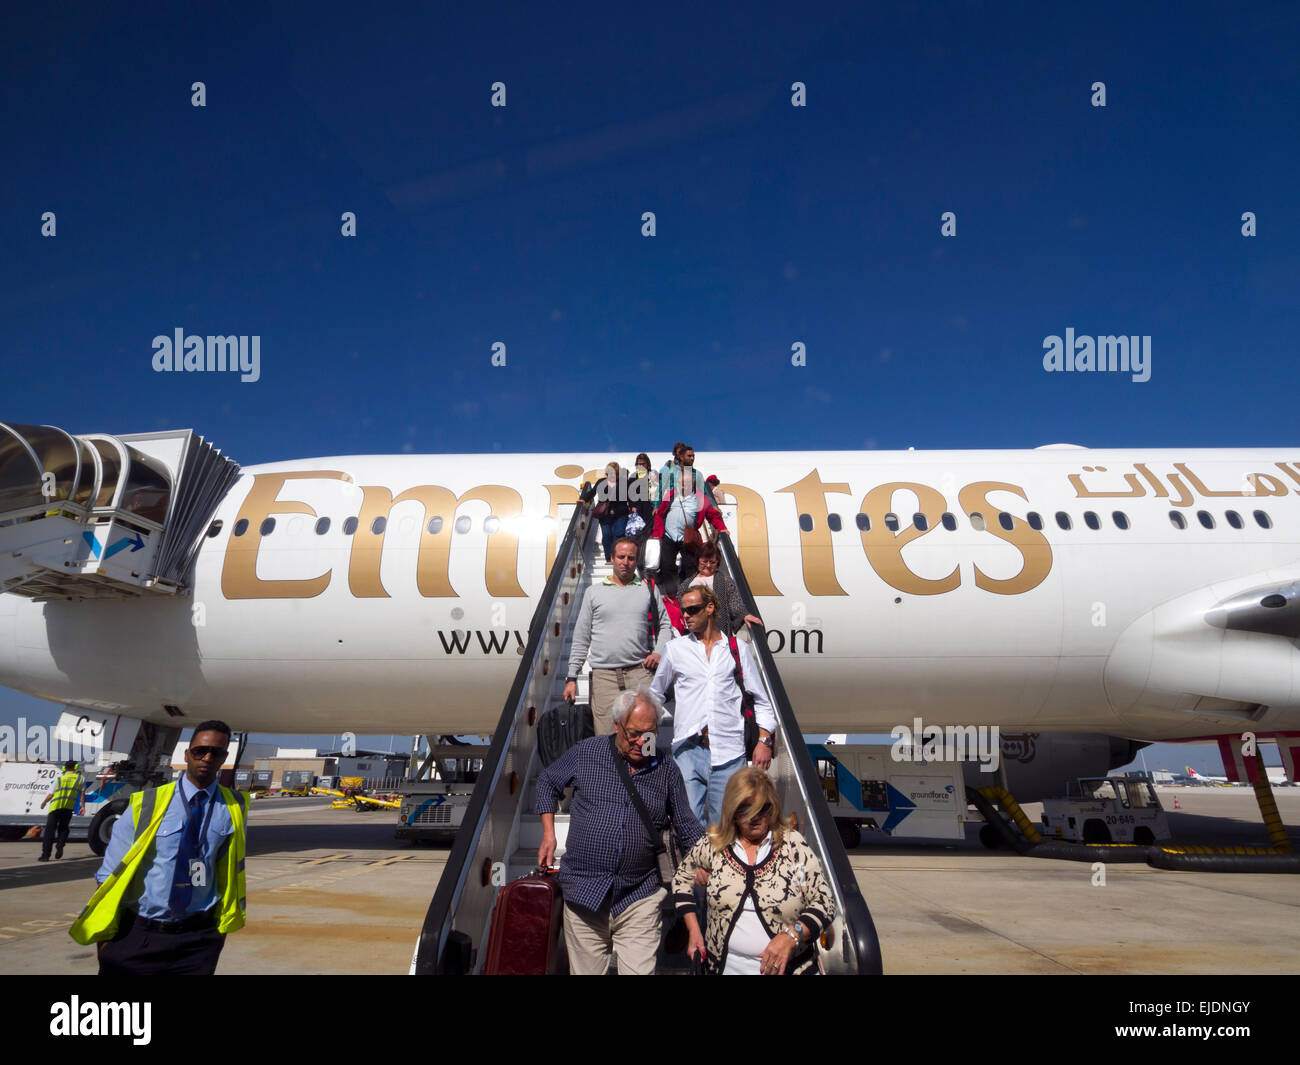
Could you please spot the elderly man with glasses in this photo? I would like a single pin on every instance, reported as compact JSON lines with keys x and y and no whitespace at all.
{"x":609,"y":874}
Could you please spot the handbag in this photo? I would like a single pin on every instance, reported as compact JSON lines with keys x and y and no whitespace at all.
{"x":668,"y":854}
{"x":635,"y":523}
{"x":601,"y":510}
{"x":747,"y":706}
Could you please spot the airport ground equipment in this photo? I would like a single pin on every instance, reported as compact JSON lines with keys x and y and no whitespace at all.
{"x":1276,"y":858}
{"x":23,"y":787}
{"x":98,"y":516}
{"x":432,"y":810}
{"x":866,"y":787}
{"x":500,"y":836}
{"x":296,"y":782}
{"x":1119,"y":809}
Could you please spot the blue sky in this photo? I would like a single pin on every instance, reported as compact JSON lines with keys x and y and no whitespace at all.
{"x":775,"y":224}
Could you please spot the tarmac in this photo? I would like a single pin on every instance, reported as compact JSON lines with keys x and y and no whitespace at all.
{"x":331,"y":892}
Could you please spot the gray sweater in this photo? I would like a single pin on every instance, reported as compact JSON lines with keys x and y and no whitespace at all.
{"x":614,"y":626}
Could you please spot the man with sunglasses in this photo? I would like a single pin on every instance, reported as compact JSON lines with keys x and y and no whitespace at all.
{"x":172,"y":882}
{"x":709,"y":730}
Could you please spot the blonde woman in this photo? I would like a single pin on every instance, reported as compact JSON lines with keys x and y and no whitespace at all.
{"x":767,"y":898}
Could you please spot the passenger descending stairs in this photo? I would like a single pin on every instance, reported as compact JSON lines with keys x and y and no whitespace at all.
{"x":500,"y":835}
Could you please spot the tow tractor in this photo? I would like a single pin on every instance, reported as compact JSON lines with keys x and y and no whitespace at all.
{"x":433,"y":810}
{"x":1120,"y":809}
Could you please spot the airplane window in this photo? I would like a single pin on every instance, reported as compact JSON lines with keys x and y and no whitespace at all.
{"x":1263,"y":520}
{"x":241,"y":527}
{"x":1179,"y":522}
{"x":920,"y":521}
{"x":891,"y":521}
{"x":833,"y":520}
{"x":379,"y":525}
{"x":462,"y":524}
{"x":435,"y":526}
{"x":267,"y":527}
{"x":322,"y":526}
{"x":806,"y":522}
{"x":1091,"y":520}
{"x":864,"y":523}
{"x":1234,"y":519}
{"x":1062,"y":519}
{"x":492,"y":524}
{"x":1035,"y":519}
{"x":1205,"y":519}
{"x":1005,"y":520}
{"x":949,"y":522}
{"x":349,"y":526}
{"x":214,"y":528}
{"x":977,"y":521}
{"x":1120,"y":519}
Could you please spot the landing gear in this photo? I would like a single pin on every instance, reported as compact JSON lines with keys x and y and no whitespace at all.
{"x":850,"y":834}
{"x":990,"y":838}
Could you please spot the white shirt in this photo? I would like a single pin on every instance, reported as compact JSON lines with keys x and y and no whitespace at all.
{"x":707,"y":694}
{"x":748,"y":939}
{"x":701,"y":579}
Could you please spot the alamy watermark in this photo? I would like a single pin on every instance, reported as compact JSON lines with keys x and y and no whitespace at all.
{"x":45,"y":743}
{"x":947,"y":743}
{"x":1111,"y":354}
{"x":212,"y":354}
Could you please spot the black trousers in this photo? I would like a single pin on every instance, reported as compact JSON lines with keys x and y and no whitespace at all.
{"x":57,"y":823}
{"x":137,"y":951}
{"x":675,"y":574}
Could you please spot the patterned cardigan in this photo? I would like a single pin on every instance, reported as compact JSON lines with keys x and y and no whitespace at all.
{"x":787,"y":885}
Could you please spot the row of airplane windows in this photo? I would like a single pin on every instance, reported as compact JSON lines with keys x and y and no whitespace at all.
{"x":1091,"y":519}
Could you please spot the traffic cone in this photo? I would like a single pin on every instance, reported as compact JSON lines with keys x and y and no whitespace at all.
{"x":1177,"y":805}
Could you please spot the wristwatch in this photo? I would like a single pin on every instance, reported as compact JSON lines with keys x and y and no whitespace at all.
{"x":795,"y":931}
{"x":765,"y":739}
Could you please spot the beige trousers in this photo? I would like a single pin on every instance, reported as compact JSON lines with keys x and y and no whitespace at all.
{"x":605,"y":686}
{"x":633,"y":935}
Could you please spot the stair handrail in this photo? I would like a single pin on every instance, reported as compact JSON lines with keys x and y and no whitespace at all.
{"x":863,"y":943}
{"x":429,"y":958}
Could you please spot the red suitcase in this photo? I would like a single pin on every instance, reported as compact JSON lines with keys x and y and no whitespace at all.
{"x":524,"y":939}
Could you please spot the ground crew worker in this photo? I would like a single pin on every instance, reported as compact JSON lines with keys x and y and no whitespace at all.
{"x":172,"y":883}
{"x":63,"y":801}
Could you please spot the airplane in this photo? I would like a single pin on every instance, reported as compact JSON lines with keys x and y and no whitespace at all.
{"x":1197,"y":778}
{"x":1150,"y":594}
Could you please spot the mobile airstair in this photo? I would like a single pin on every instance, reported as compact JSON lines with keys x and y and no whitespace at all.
{"x":98,"y":516}
{"x":500,"y":835}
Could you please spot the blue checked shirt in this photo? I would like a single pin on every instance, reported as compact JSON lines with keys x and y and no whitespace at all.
{"x":608,"y":857}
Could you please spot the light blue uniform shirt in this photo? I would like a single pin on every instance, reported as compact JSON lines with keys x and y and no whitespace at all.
{"x":149,"y":894}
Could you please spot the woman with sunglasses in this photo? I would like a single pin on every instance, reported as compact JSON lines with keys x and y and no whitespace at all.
{"x":767,"y":898}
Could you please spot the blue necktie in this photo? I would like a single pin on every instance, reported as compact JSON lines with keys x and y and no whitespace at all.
{"x":182,"y":887}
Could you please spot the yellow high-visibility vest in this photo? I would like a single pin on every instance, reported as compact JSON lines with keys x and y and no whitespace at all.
{"x":66,"y":791}
{"x":98,"y":921}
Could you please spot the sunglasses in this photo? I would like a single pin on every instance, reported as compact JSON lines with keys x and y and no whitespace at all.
{"x":209,"y":752}
{"x":763,"y":813}
{"x":693,"y":609}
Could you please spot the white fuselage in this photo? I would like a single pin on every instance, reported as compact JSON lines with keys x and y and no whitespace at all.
{"x":412,"y":630}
